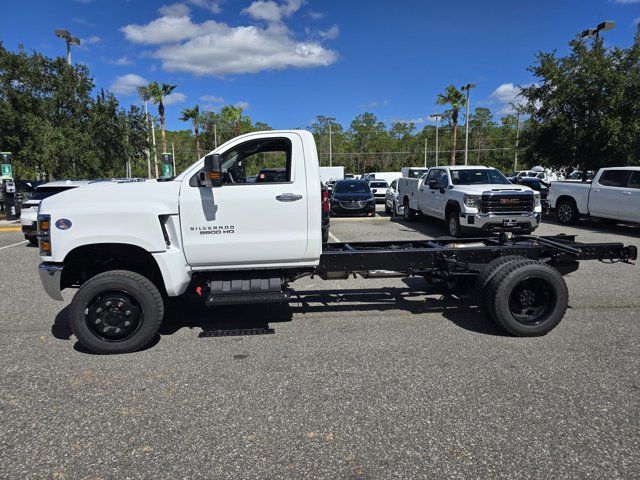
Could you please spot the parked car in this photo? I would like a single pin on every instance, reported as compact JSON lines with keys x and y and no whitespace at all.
{"x":471,"y":198}
{"x":386,"y":176}
{"x":353,"y":197}
{"x":379,"y":189}
{"x":29,"y":213}
{"x":614,"y":194}
{"x":541,"y":186}
{"x":326,"y":209}
{"x":391,"y":203}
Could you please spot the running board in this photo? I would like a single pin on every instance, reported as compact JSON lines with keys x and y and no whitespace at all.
{"x":249,"y":297}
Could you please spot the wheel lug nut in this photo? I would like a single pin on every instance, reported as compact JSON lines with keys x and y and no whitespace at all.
{"x":108,"y":304}
{"x":117,"y":330}
{"x":98,"y":310}
{"x":120,"y":304}
{"x":128,"y":312}
{"x":98,"y":320}
{"x":127,"y":323}
{"x":105,"y":329}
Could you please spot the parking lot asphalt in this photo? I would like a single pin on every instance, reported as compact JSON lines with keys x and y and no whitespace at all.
{"x":359,"y":379}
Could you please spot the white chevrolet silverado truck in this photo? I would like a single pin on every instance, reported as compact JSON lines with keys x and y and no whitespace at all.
{"x":471,"y":198}
{"x":613,"y":194}
{"x":213,"y":234}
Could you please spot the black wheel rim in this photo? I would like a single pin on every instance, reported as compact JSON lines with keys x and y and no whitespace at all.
{"x":406,"y":212}
{"x":114,"y":316}
{"x":532,"y":301}
{"x":453,"y":226}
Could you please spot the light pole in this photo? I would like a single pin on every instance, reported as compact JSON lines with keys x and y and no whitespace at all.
{"x":467,"y":88}
{"x":329,"y":120}
{"x":595,"y":32}
{"x":515,"y":157}
{"x":69,"y":40}
{"x":437,"y":116}
{"x":425,"y":152}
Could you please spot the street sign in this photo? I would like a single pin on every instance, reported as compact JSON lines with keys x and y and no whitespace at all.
{"x":7,"y":171}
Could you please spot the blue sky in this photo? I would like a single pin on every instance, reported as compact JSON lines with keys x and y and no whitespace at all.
{"x":286,"y":61}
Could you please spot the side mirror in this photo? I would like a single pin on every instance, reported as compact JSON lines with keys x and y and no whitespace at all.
{"x":212,"y":175}
{"x":433,"y":184}
{"x":374,"y":190}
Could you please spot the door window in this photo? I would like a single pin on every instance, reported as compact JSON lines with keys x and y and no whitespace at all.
{"x":615,"y":178}
{"x":634,"y":181}
{"x":267,"y":160}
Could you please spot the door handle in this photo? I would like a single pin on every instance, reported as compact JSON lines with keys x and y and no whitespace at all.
{"x":288,"y":197}
{"x":626,"y":193}
{"x":596,"y":189}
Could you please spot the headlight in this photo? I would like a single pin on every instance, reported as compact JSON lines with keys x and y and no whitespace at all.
{"x":472,"y":201}
{"x":536,"y":199}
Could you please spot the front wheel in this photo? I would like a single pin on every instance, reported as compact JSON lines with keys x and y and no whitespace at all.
{"x":453,"y":224}
{"x":408,"y":213}
{"x":116,"y":312}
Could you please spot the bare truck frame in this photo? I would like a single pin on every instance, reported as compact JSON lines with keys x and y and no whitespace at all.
{"x":518,"y":280}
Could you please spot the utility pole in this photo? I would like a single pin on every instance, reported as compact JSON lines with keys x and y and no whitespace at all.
{"x":437,"y":116}
{"x":515,"y":157}
{"x":425,"y":151}
{"x":215,"y":136}
{"x":467,"y":88}
{"x":146,"y":116}
{"x":155,"y":153}
{"x":69,"y":40}
{"x":173,"y":156}
{"x":329,"y":120}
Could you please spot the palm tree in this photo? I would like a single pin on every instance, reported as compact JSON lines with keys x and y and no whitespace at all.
{"x":193,"y":115}
{"x":145,"y":96}
{"x":158,"y":93}
{"x":456,"y":99}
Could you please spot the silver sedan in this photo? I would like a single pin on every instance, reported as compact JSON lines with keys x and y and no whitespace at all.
{"x":391,"y":204}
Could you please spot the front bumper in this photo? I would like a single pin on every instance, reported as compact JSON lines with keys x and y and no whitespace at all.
{"x":369,"y":209}
{"x":51,"y":276}
{"x":496,"y":222}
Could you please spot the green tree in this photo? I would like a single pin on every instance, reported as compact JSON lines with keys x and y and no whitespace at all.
{"x":158,"y":93}
{"x":585,"y":107}
{"x":193,"y":115}
{"x":456,"y":99}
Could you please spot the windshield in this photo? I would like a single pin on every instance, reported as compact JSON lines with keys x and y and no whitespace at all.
{"x":378,"y":184}
{"x":479,"y":176}
{"x":416,"y":173}
{"x":352,"y":187}
{"x":41,"y":193}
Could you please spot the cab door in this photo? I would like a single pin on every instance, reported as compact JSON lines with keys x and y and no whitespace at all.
{"x":259,"y":216}
{"x":630,"y":206}
{"x":606,"y":196}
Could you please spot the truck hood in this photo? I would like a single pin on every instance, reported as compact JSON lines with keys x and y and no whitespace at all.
{"x":150,"y":196}
{"x":497,"y":188}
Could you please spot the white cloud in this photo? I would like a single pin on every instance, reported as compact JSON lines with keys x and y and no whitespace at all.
{"x":127,"y":84}
{"x":374,"y":104}
{"x":626,"y":1}
{"x":241,"y":104}
{"x":271,"y":11}
{"x":330,"y":34}
{"x":122,"y":61}
{"x":174,"y":98}
{"x":507,"y":93}
{"x":215,"y":48}
{"x":415,"y":121}
{"x":315,"y":15}
{"x":211,"y":5}
{"x":174,"y":10}
{"x":93,"y":39}
{"x":211,"y":99}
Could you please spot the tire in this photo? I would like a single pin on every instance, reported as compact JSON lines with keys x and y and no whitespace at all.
{"x":33,"y":241}
{"x":387,"y":210}
{"x":527,"y":298}
{"x":489,"y":272}
{"x":325,"y":235}
{"x":114,"y":293}
{"x":408,"y":214}
{"x":453,"y":223}
{"x":567,"y":211}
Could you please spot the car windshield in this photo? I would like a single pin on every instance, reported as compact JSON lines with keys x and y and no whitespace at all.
{"x":41,"y":193}
{"x":352,"y":187}
{"x":378,"y":184}
{"x":479,"y":176}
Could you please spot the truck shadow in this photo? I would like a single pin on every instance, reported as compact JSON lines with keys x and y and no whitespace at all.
{"x":241,"y":320}
{"x":431,"y":227}
{"x":594,"y":225}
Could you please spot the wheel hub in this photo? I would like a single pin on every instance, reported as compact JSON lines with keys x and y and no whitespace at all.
{"x":526,"y":298}
{"x":113,"y":315}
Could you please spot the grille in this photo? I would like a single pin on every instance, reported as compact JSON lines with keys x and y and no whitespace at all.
{"x":353,"y":205}
{"x":492,"y":203}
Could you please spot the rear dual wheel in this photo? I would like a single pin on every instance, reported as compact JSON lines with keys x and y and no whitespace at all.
{"x":525,"y":297}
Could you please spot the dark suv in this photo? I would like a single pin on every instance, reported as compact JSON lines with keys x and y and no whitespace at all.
{"x":353,"y":197}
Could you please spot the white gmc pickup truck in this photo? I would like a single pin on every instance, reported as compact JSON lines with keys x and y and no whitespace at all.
{"x":614,"y":193}
{"x":471,"y":198}
{"x":213,"y":233}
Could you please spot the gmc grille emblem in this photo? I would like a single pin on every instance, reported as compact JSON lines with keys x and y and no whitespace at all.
{"x":508,"y":201}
